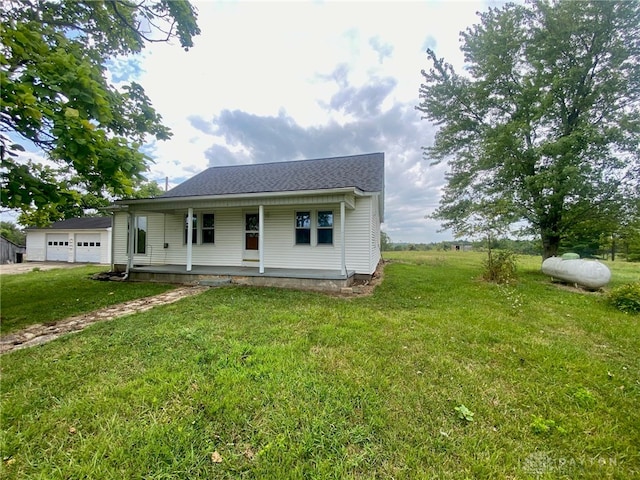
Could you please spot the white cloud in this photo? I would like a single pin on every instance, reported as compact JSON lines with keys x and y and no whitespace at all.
{"x":269,"y":81}
{"x":283,"y":81}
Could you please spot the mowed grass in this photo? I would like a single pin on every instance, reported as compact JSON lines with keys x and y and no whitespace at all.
{"x":264,"y":383}
{"x":47,"y":296}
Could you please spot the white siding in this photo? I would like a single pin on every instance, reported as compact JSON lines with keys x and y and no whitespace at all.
{"x":105,"y":253}
{"x":280,"y":249}
{"x":119,"y":238}
{"x":226,"y":250}
{"x":36,"y":246}
{"x":155,"y":252}
{"x":169,"y":229}
{"x":375,"y":255}
{"x":358,"y":230}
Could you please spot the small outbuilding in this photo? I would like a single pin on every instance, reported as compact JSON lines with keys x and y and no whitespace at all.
{"x":76,"y":240}
{"x":10,"y":252}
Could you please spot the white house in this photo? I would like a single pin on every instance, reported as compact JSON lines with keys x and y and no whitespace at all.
{"x":80,"y":240}
{"x":308,"y":221}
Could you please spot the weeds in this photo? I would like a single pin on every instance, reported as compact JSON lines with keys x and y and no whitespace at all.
{"x":626,"y":298}
{"x":464,"y":413}
{"x":500,"y":267}
{"x":542,"y":426}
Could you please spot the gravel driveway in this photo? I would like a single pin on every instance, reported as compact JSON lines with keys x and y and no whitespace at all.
{"x":12,"y":268}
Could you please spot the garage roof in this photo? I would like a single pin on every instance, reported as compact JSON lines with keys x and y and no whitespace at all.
{"x":84,"y":223}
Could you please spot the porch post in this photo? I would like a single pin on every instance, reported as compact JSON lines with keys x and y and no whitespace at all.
{"x":343,"y":236}
{"x":261,"y":237}
{"x":131,"y":239}
{"x":189,"y":238}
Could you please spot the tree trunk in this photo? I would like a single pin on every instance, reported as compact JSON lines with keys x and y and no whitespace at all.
{"x":613,"y":248}
{"x":550,"y":245}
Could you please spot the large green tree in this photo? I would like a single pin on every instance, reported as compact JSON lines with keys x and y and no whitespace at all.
{"x":12,"y":232}
{"x":544,"y":122}
{"x":85,"y":204}
{"x":56,"y":95}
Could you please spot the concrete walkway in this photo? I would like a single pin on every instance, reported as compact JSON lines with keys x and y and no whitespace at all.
{"x":42,"y":333}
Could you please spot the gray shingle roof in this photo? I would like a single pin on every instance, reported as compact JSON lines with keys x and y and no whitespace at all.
{"x":84,"y":223}
{"x":364,"y":172}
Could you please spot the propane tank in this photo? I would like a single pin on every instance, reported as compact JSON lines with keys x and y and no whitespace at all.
{"x":588,"y":273}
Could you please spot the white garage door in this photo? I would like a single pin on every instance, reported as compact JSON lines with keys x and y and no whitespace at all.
{"x":88,"y":247}
{"x":57,"y":247}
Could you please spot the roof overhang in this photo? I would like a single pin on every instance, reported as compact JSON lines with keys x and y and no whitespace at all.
{"x":162,"y":203}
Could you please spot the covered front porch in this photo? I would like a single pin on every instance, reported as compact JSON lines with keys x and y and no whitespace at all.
{"x":304,"y":279}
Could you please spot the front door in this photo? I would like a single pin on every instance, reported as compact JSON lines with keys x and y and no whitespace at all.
{"x":251,"y":236}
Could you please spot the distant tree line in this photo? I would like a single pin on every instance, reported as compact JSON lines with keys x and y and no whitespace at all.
{"x":603,"y":247}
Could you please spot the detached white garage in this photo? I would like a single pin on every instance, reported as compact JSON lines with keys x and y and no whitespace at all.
{"x":77,"y":240}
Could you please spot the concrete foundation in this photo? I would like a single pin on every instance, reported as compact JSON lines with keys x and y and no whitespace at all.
{"x":321,"y":280}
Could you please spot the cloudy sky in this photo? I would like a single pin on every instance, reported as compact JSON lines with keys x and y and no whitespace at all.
{"x":271,"y":81}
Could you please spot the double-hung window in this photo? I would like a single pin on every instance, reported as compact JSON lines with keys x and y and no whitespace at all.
{"x":303,"y":228}
{"x":203,"y":228}
{"x":208,"y":230}
{"x":325,"y":227}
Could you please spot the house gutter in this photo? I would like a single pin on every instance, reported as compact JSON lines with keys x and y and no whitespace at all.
{"x":123,"y":204}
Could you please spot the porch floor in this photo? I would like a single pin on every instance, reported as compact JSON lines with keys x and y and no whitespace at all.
{"x":307,"y":279}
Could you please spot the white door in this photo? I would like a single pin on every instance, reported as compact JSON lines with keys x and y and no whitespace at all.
{"x":57,"y":247}
{"x":88,"y":247}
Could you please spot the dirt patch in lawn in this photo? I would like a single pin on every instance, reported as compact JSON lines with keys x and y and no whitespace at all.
{"x":365,"y":287}
{"x":44,"y":332}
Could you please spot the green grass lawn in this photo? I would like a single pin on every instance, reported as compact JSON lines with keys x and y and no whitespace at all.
{"x":47,"y":296}
{"x":243,"y":382}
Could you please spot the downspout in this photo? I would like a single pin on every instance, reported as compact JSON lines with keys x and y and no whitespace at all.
{"x":113,"y":225}
{"x":189,"y":238}
{"x":261,"y":237}
{"x":132,"y":234}
{"x":343,"y":236}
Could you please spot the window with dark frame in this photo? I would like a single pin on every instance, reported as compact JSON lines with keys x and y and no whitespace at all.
{"x":208,"y":228}
{"x":303,"y":228}
{"x":325,"y":227}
